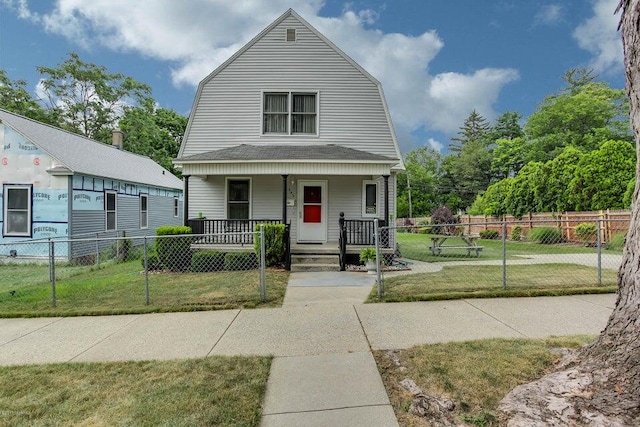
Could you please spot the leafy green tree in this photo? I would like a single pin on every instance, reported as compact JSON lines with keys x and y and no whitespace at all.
{"x":627,"y":199}
{"x":526,"y":189}
{"x":577,"y":78}
{"x":492,"y":202}
{"x":509,"y":156}
{"x":475,"y":128}
{"x":467,"y":171}
{"x":85,"y":98}
{"x":14,"y":97}
{"x":507,"y":126}
{"x":153,"y":132}
{"x":584,"y":115}
{"x":602,"y":176}
{"x":421,"y":177}
{"x":562,"y":169}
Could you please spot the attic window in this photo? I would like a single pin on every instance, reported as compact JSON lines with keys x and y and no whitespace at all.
{"x":291,"y":34}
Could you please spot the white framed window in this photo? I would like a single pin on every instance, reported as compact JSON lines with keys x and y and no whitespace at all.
{"x":17,"y":204}
{"x":144,"y":211}
{"x":370,"y":199}
{"x":238,"y":198}
{"x":176,"y":207}
{"x":110,"y":210}
{"x":290,"y":113}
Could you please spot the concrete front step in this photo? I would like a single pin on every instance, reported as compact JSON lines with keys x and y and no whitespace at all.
{"x":315,"y":262}
{"x":314,"y":259}
{"x":314,"y":267}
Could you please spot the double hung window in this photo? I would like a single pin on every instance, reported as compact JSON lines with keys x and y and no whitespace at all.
{"x":144,"y":211}
{"x":290,"y":113}
{"x":110,"y":210}
{"x":17,"y":210}
{"x":238,"y":198}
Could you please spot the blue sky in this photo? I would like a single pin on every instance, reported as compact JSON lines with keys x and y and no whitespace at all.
{"x":437,"y":59}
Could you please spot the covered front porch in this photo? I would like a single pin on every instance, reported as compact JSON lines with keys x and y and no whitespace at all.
{"x":327,"y":196}
{"x":238,"y":236}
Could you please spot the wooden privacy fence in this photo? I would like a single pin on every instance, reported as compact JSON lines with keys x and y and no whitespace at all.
{"x":611,"y":222}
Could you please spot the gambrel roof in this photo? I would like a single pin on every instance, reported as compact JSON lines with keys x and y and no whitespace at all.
{"x":80,"y":155}
{"x":352,"y":110}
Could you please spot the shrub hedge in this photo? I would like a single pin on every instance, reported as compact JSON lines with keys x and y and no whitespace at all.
{"x":489,"y":234}
{"x":545,"y":235}
{"x":234,"y":261}
{"x":273,"y":243}
{"x":204,"y":261}
{"x":174,"y":252}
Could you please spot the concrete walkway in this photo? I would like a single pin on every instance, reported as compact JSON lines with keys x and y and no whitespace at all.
{"x":323,"y":372}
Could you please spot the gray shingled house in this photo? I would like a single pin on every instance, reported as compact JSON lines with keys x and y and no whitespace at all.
{"x":56,"y":184}
{"x":290,"y":129}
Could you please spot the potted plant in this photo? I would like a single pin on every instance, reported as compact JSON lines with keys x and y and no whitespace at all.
{"x":368,"y":257}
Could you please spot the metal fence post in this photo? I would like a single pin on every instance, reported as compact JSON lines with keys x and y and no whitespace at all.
{"x":263,"y":262}
{"x":504,"y":255}
{"x":52,"y":271}
{"x":146,"y":271}
{"x":599,"y":243}
{"x":97,"y":250}
{"x":376,"y":240}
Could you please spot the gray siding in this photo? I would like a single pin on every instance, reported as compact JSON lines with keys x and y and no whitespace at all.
{"x":351,"y":109}
{"x":90,"y":224}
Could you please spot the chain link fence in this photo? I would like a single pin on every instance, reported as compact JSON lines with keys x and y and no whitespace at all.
{"x":530,"y":257}
{"x":89,"y":275}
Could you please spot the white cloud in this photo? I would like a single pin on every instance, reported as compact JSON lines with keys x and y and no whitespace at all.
{"x":599,"y":36}
{"x":196,"y":36}
{"x":550,"y":14}
{"x":436,"y":145}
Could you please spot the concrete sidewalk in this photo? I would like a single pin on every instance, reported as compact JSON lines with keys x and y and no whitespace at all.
{"x":323,"y":372}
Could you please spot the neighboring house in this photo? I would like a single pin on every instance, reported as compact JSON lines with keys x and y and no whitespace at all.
{"x":56,"y":184}
{"x":290,"y":129}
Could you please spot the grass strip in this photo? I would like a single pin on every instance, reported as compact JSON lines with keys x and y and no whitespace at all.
{"x":475,"y":375}
{"x":221,"y":391}
{"x":120,"y":289}
{"x":416,"y":246}
{"x":485,"y":281}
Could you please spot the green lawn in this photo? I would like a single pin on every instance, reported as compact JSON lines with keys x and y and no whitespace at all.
{"x":416,"y":246}
{"x":220,"y":391}
{"x":486,"y":281}
{"x":475,"y":375}
{"x":25,"y":290}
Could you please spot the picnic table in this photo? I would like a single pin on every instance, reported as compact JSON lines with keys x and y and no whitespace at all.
{"x":437,"y":244}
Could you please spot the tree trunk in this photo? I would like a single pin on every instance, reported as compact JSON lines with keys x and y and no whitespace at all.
{"x":600,"y":384}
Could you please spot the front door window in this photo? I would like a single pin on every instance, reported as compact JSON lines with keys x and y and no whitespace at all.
{"x":312,"y":204}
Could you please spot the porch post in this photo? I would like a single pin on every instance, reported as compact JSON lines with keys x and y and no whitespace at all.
{"x":186,"y":199}
{"x":284,"y":199}
{"x":386,"y":199}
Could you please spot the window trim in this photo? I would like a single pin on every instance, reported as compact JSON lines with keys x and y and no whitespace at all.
{"x":5,"y":207}
{"x":364,"y":198}
{"x":106,"y":211}
{"x":226,"y":194}
{"x":144,"y":213}
{"x":289,"y":113}
{"x":176,"y":207}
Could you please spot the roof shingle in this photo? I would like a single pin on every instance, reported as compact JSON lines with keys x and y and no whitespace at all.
{"x":85,"y":156}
